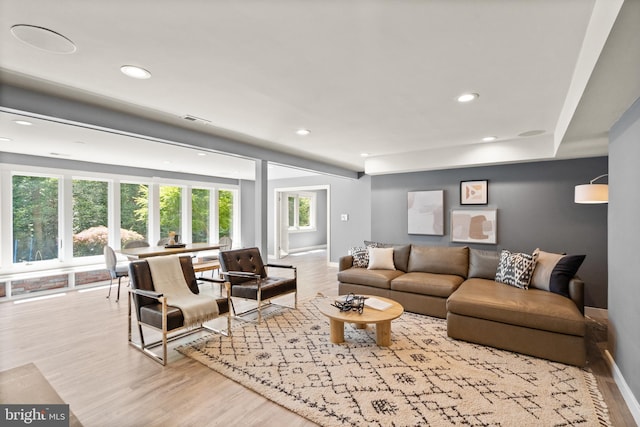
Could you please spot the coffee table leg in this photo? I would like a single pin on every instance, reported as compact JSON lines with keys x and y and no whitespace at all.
{"x":383,"y":333}
{"x":337,"y":331}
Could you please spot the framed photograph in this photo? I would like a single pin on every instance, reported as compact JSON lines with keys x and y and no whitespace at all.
{"x":473,"y":192}
{"x":425,"y":212}
{"x":474,"y":226}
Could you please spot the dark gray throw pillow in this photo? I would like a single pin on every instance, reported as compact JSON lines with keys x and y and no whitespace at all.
{"x":483,"y":264}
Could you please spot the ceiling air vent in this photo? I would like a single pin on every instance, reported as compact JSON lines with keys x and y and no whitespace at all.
{"x":195,"y":119}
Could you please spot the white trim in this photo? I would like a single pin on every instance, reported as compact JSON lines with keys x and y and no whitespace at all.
{"x":307,"y":249}
{"x":627,"y":394}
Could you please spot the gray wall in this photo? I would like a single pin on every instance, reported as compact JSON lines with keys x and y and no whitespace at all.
{"x":624,"y":234}
{"x":535,"y":209}
{"x":247,"y":214}
{"x":349,"y":196}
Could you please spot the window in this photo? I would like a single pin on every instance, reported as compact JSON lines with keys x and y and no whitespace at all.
{"x":35,"y":218}
{"x":170,"y":210}
{"x":134,"y":212}
{"x":302,"y":211}
{"x":90,"y":217}
{"x":225,"y":213}
{"x":200,"y":215}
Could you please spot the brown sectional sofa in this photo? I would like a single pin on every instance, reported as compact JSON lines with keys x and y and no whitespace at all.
{"x":457,"y":283}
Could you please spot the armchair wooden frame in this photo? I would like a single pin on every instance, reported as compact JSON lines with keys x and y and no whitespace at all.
{"x":168,"y":334}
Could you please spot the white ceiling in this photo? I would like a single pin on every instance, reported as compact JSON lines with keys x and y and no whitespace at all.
{"x":369,"y":76}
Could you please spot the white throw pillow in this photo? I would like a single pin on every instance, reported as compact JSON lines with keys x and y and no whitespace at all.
{"x":381,"y":259}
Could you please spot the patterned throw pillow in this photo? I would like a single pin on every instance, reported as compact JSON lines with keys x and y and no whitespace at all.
{"x":553,"y":272}
{"x":515,"y":269}
{"x":360,"y":257}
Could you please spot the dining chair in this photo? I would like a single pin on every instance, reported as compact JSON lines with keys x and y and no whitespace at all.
{"x":116,"y":271}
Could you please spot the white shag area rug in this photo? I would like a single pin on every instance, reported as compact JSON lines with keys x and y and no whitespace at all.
{"x":423,"y":379}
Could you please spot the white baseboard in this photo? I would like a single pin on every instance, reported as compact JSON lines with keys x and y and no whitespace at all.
{"x":307,"y":249}
{"x":627,"y":394}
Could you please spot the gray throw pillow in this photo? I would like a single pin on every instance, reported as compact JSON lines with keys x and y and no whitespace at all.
{"x":483,"y":264}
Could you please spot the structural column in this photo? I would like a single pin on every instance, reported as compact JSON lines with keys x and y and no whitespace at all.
{"x":262,"y":167}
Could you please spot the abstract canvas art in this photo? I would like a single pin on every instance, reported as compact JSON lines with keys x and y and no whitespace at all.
{"x":425,"y":210}
{"x":474,"y":226}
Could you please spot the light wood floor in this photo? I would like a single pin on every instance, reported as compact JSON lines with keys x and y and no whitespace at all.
{"x":79,"y":343}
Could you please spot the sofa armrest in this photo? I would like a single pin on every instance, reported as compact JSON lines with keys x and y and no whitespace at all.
{"x":576,"y":292}
{"x":345,"y":262}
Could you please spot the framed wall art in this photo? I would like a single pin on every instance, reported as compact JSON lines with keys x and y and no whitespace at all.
{"x":474,"y":226}
{"x":425,"y":212}
{"x":474,"y":192}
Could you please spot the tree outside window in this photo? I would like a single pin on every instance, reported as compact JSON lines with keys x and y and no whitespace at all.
{"x":170,"y":210}
{"x":301,"y":211}
{"x":134,"y":212}
{"x":200,"y":214}
{"x":90,"y":217}
{"x":35,"y":218}
{"x":225,"y":213}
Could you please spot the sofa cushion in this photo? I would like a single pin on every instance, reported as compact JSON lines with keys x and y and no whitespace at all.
{"x":483,"y":264}
{"x":381,"y":259}
{"x":439,"y":259}
{"x":553,"y":272}
{"x":376,"y":278}
{"x":438,"y":285}
{"x":400,"y":253}
{"x":532,"y":308}
{"x":515,"y":269}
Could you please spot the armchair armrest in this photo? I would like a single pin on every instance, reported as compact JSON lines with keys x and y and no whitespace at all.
{"x":279,"y":266}
{"x":149,"y":294}
{"x":240,"y":274}
{"x":211,"y":279}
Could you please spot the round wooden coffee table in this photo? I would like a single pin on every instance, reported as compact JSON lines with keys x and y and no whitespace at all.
{"x":381,"y":318}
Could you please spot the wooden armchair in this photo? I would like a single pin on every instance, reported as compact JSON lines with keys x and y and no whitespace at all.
{"x":153,"y":311}
{"x":249,"y":279}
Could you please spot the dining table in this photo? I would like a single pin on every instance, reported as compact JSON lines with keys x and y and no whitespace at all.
{"x":152,"y":251}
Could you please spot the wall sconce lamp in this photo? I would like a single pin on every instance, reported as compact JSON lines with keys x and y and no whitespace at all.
{"x":592,"y":193}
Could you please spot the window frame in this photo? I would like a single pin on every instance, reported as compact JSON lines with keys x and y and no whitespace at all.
{"x":296,"y":228}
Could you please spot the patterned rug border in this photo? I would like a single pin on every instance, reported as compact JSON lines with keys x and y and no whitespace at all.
{"x":309,"y":410}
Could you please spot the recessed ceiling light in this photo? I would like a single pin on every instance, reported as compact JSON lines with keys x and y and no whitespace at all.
{"x":43,"y":38}
{"x":202,"y":154}
{"x":468,"y":97}
{"x":364,"y":154}
{"x":167,"y":162}
{"x":303,"y":132}
{"x":135,"y":72}
{"x":22,"y":122}
{"x":5,"y":139}
{"x":489,"y":138}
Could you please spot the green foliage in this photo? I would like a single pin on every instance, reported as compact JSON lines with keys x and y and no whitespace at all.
{"x":90,"y":210}
{"x":304,"y":211}
{"x":200,"y":215}
{"x":35,"y":218}
{"x":170,"y":209}
{"x":134,"y":208}
{"x":225,"y":212}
